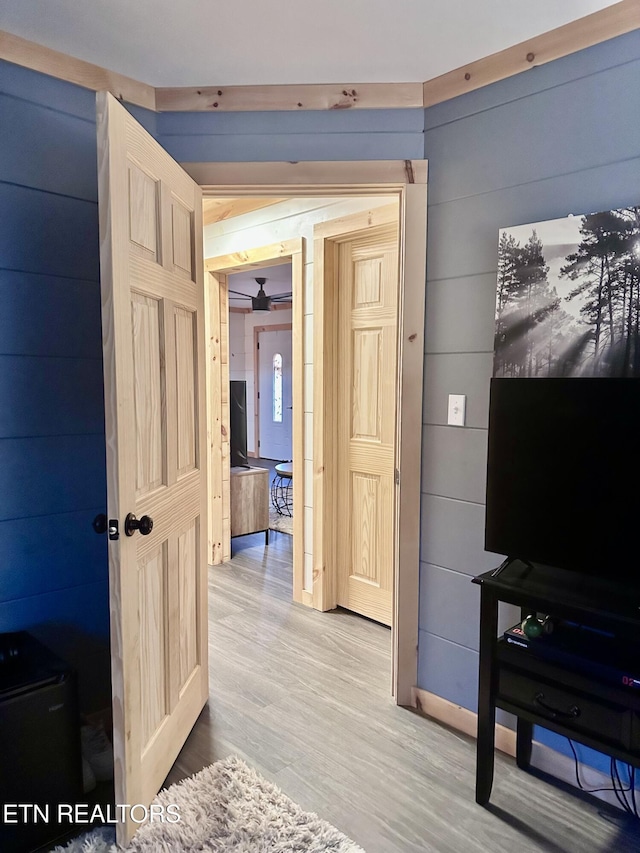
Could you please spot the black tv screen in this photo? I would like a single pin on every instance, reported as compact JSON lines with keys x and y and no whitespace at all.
{"x":562,"y":474}
{"x":238,"y":423}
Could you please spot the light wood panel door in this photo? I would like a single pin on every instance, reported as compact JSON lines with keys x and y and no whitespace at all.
{"x":153,"y":336}
{"x":367,"y":317}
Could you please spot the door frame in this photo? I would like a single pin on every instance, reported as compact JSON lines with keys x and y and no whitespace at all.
{"x":276,"y":327}
{"x":408,"y":180}
{"x":217,"y":356}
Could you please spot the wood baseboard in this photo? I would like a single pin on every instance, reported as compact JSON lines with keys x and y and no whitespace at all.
{"x":459,"y":718}
{"x":543,"y":757}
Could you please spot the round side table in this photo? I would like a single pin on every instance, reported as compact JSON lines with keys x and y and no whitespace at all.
{"x":282,"y":489}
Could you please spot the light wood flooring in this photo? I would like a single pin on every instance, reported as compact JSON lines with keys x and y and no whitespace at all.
{"x":304,"y":697}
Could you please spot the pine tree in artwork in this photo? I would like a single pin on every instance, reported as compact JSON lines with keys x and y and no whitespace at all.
{"x":606,"y":269}
{"x":597,"y":333}
{"x":507,"y":280}
{"x":525,"y":308}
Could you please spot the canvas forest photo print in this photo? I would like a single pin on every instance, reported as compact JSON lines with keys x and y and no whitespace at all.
{"x":568,"y":300}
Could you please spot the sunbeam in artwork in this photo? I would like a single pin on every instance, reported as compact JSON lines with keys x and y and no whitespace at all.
{"x":568,"y":297}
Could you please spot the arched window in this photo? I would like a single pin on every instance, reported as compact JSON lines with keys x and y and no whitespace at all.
{"x":277,"y":388}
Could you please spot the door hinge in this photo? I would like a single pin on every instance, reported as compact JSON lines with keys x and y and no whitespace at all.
{"x":258,"y":395}
{"x":397,"y":477}
{"x":258,"y":345}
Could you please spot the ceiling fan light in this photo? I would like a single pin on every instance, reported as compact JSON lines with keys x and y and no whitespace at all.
{"x":261,"y":303}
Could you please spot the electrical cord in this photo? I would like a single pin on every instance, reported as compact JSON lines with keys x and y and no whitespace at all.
{"x":620,"y":791}
{"x":618,"y":787}
{"x":630,"y":807}
{"x":579,"y":781}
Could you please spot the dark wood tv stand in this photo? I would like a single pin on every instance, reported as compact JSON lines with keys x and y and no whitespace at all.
{"x":580,"y":706}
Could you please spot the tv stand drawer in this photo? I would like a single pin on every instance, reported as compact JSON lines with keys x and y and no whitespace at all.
{"x":568,"y":708}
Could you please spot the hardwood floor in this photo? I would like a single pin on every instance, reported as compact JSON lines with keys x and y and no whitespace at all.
{"x":304,"y":697}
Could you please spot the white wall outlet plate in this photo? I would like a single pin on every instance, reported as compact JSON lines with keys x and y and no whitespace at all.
{"x":456,"y":411}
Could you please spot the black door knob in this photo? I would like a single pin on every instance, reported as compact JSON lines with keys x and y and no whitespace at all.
{"x":144,"y":524}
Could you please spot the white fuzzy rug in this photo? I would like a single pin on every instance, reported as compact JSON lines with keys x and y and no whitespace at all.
{"x":281,"y":523}
{"x":226,"y":808}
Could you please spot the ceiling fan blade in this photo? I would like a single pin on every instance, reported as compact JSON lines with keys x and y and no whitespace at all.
{"x":281,"y":296}
{"x":243,"y":295}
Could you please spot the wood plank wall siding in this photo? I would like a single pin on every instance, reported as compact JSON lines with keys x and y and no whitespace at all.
{"x":53,"y":567}
{"x":592,"y":29}
{"x":524,"y":150}
{"x":531,"y":147}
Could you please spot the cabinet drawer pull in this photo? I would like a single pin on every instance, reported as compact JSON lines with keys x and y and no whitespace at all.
{"x":570,"y":714}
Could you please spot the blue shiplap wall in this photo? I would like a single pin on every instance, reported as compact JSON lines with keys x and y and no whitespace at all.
{"x":561,"y":139}
{"x":558,"y":139}
{"x":53,"y":567}
{"x":334,"y":135}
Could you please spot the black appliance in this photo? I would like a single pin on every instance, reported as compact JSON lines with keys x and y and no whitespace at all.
{"x":562,"y":487}
{"x":40,"y":761}
{"x":238,"y":423}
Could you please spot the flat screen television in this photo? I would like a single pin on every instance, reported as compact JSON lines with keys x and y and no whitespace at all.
{"x":562,"y":474}
{"x":238,"y":423}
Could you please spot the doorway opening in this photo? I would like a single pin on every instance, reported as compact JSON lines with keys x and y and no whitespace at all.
{"x":260,"y":362}
{"x":237,"y":254}
{"x":227,"y":310}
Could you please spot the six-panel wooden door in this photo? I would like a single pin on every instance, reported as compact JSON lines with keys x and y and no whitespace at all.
{"x":153,"y":335}
{"x":367,"y":317}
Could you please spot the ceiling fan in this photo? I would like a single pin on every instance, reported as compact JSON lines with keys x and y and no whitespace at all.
{"x":262,"y":302}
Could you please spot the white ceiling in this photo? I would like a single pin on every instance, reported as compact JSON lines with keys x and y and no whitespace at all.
{"x":251,"y":42}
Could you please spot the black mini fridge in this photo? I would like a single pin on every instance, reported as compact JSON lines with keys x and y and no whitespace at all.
{"x":40,"y":763}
